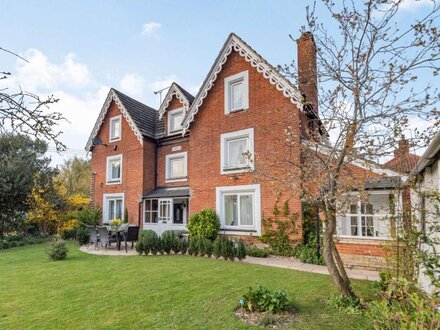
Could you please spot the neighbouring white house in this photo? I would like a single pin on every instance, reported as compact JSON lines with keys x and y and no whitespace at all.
{"x":425,"y":178}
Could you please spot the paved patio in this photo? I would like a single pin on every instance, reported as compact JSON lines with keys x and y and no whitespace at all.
{"x":280,"y":262}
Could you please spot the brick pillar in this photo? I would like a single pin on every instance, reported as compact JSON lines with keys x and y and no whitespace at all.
{"x":307,"y":69}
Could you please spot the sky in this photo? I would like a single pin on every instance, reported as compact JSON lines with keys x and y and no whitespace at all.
{"x":77,"y":50}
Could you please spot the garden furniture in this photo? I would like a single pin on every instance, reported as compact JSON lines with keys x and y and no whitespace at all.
{"x":131,"y":235}
{"x":105,"y":238}
{"x":93,"y":236}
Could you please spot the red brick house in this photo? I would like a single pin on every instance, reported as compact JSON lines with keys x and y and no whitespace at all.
{"x":206,"y":151}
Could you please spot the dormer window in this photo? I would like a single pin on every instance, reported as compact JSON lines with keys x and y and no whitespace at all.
{"x":237,"y":92}
{"x":175,"y":119}
{"x":115,"y":129}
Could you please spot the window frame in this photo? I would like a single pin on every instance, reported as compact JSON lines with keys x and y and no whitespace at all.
{"x":225,"y":139}
{"x":112,"y":120}
{"x":105,"y":202}
{"x":168,"y":158}
{"x":241,"y":190}
{"x":109,"y":180}
{"x":170,"y":115}
{"x":150,"y":200}
{"x":228,"y":83}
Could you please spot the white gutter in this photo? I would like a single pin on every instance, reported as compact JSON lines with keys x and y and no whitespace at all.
{"x":428,"y":156}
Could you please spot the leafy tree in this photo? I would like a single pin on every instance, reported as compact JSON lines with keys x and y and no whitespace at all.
{"x":373,"y":78}
{"x":21,"y":159}
{"x":75,"y":176}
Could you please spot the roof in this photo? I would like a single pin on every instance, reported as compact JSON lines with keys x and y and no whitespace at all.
{"x":182,"y":95}
{"x":404,"y":163}
{"x":234,"y":42}
{"x":143,"y":116}
{"x":431,"y":154}
{"x":140,"y":117}
{"x":162,"y":192}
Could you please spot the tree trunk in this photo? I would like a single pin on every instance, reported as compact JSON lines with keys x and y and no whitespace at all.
{"x":332,"y":258}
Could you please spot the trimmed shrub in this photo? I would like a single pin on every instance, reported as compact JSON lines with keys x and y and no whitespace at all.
{"x":58,"y":250}
{"x":193,"y":248}
{"x":205,"y":224}
{"x":205,"y":247}
{"x":265,"y":300}
{"x":254,"y":251}
{"x":149,"y":242}
{"x":217,"y":247}
{"x":82,"y":235}
{"x":168,"y":240}
{"x":183,"y":246}
{"x":240,"y":250}
{"x":227,"y":249}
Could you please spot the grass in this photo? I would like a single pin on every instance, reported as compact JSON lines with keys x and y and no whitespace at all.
{"x":162,"y":292}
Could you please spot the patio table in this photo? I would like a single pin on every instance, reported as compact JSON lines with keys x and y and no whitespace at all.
{"x":122,"y":229}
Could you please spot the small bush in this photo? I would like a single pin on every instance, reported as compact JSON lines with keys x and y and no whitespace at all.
{"x":240,"y":250}
{"x":205,"y":246}
{"x":193,"y":248}
{"x":58,"y":250}
{"x":307,"y":253}
{"x":13,"y":244}
{"x":217,"y":247}
{"x":169,"y":241}
{"x":183,"y":246}
{"x":401,"y":305}
{"x":227,"y":249}
{"x":345,"y":303}
{"x":205,"y":224}
{"x":265,"y":300}
{"x":82,"y":235}
{"x":254,"y":251}
{"x":148,"y":242}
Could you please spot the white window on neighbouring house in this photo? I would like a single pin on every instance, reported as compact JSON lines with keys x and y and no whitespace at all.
{"x":176,"y":167}
{"x":113,"y":207}
{"x":239,"y":208}
{"x":175,"y":118}
{"x":114,"y":169}
{"x":237,"y":151}
{"x":365,"y":217}
{"x":237,"y":92}
{"x":115,"y":128}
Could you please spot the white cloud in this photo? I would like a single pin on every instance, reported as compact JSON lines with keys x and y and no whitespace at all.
{"x":162,"y":83}
{"x":414,"y":4}
{"x":39,"y":75}
{"x":132,"y":84}
{"x":150,"y":28}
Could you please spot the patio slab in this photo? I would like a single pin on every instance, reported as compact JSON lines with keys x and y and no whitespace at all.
{"x":111,"y":251}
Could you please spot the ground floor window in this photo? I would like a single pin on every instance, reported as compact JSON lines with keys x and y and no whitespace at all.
{"x":113,"y":207}
{"x":166,"y":210}
{"x":366,"y":216}
{"x":239,"y":208}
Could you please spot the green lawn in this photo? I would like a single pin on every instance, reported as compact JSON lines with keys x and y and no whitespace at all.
{"x":178,"y":292}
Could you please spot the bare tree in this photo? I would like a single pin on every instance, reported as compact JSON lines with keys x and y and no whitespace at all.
{"x":370,"y":69}
{"x":26,"y":113}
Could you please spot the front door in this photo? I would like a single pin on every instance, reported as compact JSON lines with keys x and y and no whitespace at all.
{"x":165,"y":216}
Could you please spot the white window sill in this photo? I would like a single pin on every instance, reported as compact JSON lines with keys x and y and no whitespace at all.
{"x":368,"y":238}
{"x":170,"y":180}
{"x":239,"y":231}
{"x":234,"y":170}
{"x":115,"y":140}
{"x":230,"y":112}
{"x":113,"y":182}
{"x":174,"y":133}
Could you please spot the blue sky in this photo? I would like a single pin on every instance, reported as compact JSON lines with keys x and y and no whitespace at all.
{"x":78,"y":49}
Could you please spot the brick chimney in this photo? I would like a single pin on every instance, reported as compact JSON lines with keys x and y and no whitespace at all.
{"x":307,"y":69}
{"x":403,"y":149}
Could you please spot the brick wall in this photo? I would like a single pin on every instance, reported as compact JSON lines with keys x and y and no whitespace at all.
{"x":270,"y":113}
{"x":137,"y":165}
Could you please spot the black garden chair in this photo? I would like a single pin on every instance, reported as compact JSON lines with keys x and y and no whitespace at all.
{"x":131,"y":235}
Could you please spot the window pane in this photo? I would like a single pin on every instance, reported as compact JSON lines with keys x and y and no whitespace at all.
{"x":236,"y":150}
{"x":354,"y":226}
{"x":148,"y":205}
{"x":116,"y":129}
{"x":111,"y":210}
{"x":237,"y":96}
{"x":118,"y":212}
{"x":177,"y":167}
{"x":246,"y":213}
{"x":231,"y":210}
{"x":176,"y":121}
{"x":353,"y":209}
{"x":115,"y":169}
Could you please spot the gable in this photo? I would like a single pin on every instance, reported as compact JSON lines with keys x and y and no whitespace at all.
{"x":234,"y":43}
{"x":140,"y":118}
{"x":175,"y":94}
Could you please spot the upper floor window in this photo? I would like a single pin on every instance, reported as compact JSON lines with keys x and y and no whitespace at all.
{"x":237,"y":151}
{"x":176,"y":167}
{"x":115,"y":128}
{"x":114,"y":169}
{"x":175,"y":118}
{"x":237,"y":92}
